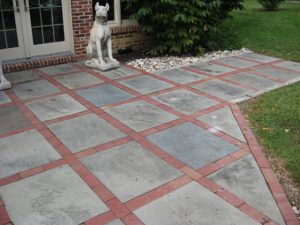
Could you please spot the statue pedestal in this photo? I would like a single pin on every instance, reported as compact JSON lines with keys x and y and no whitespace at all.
{"x":4,"y":84}
{"x":94,"y":63}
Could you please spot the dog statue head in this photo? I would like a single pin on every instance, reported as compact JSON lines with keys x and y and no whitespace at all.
{"x":101,"y":11}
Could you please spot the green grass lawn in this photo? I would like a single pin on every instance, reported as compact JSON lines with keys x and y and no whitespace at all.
{"x":271,"y":33}
{"x":275,"y":117}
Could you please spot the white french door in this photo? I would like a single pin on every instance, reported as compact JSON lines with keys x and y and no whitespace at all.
{"x":34,"y":27}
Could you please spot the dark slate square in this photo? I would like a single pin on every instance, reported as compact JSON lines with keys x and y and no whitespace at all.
{"x":59,"y":69}
{"x":277,"y":72}
{"x":210,"y":68}
{"x":104,"y":95}
{"x":180,"y":75}
{"x":236,"y":62}
{"x":192,"y":145}
{"x":121,"y":72}
{"x":11,"y":118}
{"x":22,"y":76}
{"x":146,"y":84}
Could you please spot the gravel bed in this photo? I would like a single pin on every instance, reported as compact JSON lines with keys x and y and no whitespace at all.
{"x":152,"y":64}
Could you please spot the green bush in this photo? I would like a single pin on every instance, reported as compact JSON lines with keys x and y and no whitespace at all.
{"x":180,"y":26}
{"x":270,"y":5}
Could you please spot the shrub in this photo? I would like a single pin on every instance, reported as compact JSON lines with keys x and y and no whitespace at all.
{"x":180,"y":26}
{"x":270,"y":5}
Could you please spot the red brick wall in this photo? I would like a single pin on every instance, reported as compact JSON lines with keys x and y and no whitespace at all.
{"x":82,"y":19}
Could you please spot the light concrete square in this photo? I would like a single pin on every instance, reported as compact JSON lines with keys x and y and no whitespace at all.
{"x":85,"y":132}
{"x":11,"y":118}
{"x":289,"y":65}
{"x":22,"y":76}
{"x":180,"y":75}
{"x":259,"y":58}
{"x":4,"y":98}
{"x":244,"y":179}
{"x":55,"y":107}
{"x":59,"y":69}
{"x":251,"y":80}
{"x":132,"y":170}
{"x":24,"y":151}
{"x":210,"y":68}
{"x":192,"y":145}
{"x":185,"y":101}
{"x":236,"y":62}
{"x":33,"y":89}
{"x":194,"y":205}
{"x":121,"y":72}
{"x":104,"y":95}
{"x":145,"y":84}
{"x":58,"y":196}
{"x":222,"y":89}
{"x":223,"y":120}
{"x":140,"y":115}
{"x":78,"y":80}
{"x":278,"y":73}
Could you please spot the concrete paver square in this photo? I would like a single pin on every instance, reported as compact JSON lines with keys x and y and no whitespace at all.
{"x":4,"y":98}
{"x":236,"y":62}
{"x":244,"y":179}
{"x":58,"y":196}
{"x":222,"y":89}
{"x":194,"y":205}
{"x":192,"y":145}
{"x":180,"y":75}
{"x":140,"y":115}
{"x":289,"y":65}
{"x":251,"y":80}
{"x":277,"y":73}
{"x":121,"y":72}
{"x":259,"y":58}
{"x":132,"y":170}
{"x":223,"y":120}
{"x":104,"y":95}
{"x":24,"y":151}
{"x":78,"y":80}
{"x":210,"y":68}
{"x":22,"y":76}
{"x":59,"y":69}
{"x":11,"y":118}
{"x":185,"y":101}
{"x":85,"y":132}
{"x":115,"y":222}
{"x":145,"y":84}
{"x":33,"y":89}
{"x":55,"y":107}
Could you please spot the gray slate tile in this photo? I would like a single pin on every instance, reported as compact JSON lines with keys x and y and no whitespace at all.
{"x":236,"y":62}
{"x":289,"y":65}
{"x":192,"y":145}
{"x":180,"y":75}
{"x":4,"y":98}
{"x":22,"y":76}
{"x":121,"y":72}
{"x":59,"y":69}
{"x":277,"y":73}
{"x":259,"y":58}
{"x":210,"y":68}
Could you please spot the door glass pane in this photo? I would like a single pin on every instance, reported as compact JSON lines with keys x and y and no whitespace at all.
{"x":46,"y":21}
{"x":8,"y":32}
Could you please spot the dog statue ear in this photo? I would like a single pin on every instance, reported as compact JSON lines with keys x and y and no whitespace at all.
{"x":97,"y":6}
{"x":107,"y":7}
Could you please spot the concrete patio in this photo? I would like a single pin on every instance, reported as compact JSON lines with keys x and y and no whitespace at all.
{"x":129,"y":147}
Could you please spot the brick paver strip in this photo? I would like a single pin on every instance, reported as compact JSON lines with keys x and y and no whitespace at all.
{"x":124,"y":213}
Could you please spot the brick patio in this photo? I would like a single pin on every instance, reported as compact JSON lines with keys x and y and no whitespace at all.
{"x":78,"y":146}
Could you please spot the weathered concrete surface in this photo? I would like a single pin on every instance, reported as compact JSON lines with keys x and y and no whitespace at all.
{"x":55,"y":107}
{"x":192,"y":205}
{"x":180,"y":75}
{"x":78,"y":80}
{"x":192,"y":145}
{"x":224,"y":120}
{"x":85,"y":132}
{"x":145,"y":84}
{"x":132,"y":170}
{"x":33,"y":89}
{"x":210,"y":68}
{"x":59,"y":69}
{"x":222,"y":89}
{"x":244,"y":179}
{"x":236,"y":62}
{"x":104,"y":94}
{"x":185,"y":101}
{"x":11,"y":118}
{"x":58,"y":196}
{"x":121,"y":72}
{"x":140,"y":115}
{"x":24,"y":151}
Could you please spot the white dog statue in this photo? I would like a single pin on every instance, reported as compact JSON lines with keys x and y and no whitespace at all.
{"x":99,"y":49}
{"x":4,"y":84}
